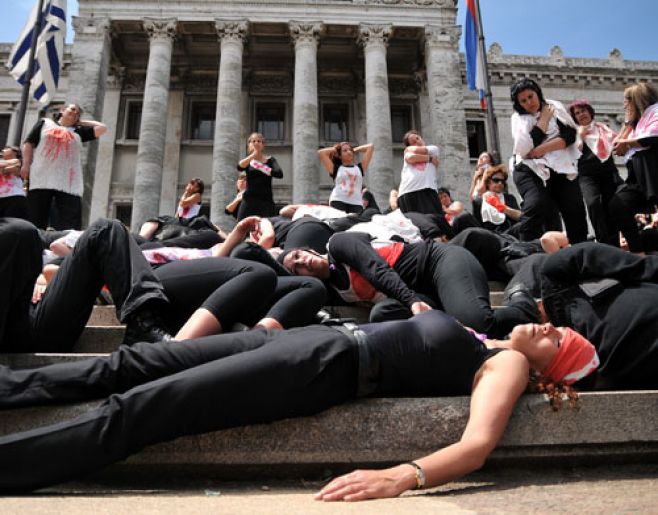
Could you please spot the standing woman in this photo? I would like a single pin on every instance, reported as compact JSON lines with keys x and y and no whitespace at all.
{"x":597,"y":173}
{"x":545,"y":155}
{"x":260,"y":168}
{"x":638,"y":143}
{"x":418,"y":190}
{"x":51,"y":160}
{"x":346,"y":174}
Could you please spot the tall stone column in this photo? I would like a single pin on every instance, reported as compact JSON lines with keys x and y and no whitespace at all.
{"x":226,"y":146}
{"x":105,"y":163}
{"x":153,"y":127}
{"x":171,"y":167}
{"x":305,"y":178}
{"x":446,"y":99}
{"x":378,"y":109}
{"x":89,"y":66}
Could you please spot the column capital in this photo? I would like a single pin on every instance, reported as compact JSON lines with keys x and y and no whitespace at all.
{"x":447,"y":36}
{"x":374,"y":33}
{"x":159,"y":29}
{"x":91,"y":27}
{"x":305,"y":32}
{"x":116,"y":76}
{"x":232,"y":30}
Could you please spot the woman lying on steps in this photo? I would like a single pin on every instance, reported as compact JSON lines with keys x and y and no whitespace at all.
{"x":260,"y":376}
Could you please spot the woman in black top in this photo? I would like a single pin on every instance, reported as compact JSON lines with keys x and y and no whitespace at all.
{"x":597,"y":173}
{"x":638,"y":143}
{"x":260,"y":376}
{"x":405,"y":279}
{"x":260,"y":168}
{"x":545,"y":171}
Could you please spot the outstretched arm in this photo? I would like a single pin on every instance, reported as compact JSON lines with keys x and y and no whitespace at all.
{"x":497,"y":386}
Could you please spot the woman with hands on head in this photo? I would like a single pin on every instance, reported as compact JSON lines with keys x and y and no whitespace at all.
{"x":545,"y":171}
{"x":258,"y":199}
{"x":339,"y":161}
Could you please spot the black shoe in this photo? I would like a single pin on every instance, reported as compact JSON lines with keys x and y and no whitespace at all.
{"x":145,"y":326}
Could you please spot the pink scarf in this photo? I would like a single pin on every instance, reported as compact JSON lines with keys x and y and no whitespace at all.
{"x":600,"y":139}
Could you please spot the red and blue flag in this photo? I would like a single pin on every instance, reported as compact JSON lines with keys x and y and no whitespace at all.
{"x":474,"y":61}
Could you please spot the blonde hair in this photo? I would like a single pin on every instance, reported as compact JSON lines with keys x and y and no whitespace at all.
{"x":641,"y":95}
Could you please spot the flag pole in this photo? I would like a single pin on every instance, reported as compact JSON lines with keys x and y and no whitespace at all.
{"x":18,"y":130}
{"x":491,"y":117}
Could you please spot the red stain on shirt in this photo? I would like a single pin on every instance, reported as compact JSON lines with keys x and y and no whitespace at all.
{"x":58,"y":140}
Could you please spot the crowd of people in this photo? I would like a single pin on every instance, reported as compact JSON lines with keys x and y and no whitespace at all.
{"x":230,"y":328}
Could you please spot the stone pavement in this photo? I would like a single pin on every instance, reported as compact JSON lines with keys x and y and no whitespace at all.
{"x":582,"y":490}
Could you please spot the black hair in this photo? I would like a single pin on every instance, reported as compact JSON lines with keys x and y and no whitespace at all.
{"x":521,"y":85}
{"x":444,"y":190}
{"x":199,"y":184}
{"x":372,"y":203}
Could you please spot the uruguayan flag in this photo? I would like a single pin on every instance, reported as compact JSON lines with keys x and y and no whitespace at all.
{"x":49,"y":52}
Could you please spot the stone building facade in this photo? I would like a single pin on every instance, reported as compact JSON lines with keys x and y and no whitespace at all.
{"x":182,"y":85}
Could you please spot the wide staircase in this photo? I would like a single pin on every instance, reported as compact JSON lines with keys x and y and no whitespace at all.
{"x":620,"y":426}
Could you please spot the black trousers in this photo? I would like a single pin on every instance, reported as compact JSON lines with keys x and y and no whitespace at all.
{"x":238,"y":290}
{"x":68,"y":209}
{"x":104,"y":254}
{"x":157,"y":392}
{"x":598,"y":189}
{"x":14,"y":207}
{"x":540,"y":200}
{"x":456,"y":283}
{"x":621,"y":321}
{"x":20,"y":265}
{"x":624,"y":205}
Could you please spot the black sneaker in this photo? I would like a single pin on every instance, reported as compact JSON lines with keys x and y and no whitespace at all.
{"x":145,"y":326}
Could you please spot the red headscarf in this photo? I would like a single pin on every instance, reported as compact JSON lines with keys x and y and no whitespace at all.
{"x":575,"y":359}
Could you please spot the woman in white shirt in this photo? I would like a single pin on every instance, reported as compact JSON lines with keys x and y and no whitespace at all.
{"x":418,"y":189}
{"x":546,"y":156}
{"x":338,"y":160}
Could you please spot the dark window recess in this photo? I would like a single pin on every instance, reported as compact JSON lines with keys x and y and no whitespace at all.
{"x":133,"y":120}
{"x":202,"y":122}
{"x":400,"y":122}
{"x":123,"y":212}
{"x":270,"y":120}
{"x":477,"y":140}
{"x":4,"y":128}
{"x":335,"y":118}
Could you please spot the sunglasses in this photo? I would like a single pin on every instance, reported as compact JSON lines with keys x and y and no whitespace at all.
{"x":498,"y":181}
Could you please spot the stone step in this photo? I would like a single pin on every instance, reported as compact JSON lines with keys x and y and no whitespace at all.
{"x":608,"y":426}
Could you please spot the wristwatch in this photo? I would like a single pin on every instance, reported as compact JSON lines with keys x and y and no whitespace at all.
{"x":420,"y":475}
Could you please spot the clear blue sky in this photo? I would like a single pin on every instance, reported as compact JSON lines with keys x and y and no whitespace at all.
{"x":582,"y":28}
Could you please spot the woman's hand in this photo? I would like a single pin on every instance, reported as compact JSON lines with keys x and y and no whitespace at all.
{"x":39,"y":289}
{"x":621,"y":146}
{"x":369,"y":484}
{"x":546,"y":113}
{"x":247,"y":225}
{"x":419,"y":307}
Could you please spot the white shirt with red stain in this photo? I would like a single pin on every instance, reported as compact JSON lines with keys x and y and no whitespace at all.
{"x":348,"y":185}
{"x":56,"y":163}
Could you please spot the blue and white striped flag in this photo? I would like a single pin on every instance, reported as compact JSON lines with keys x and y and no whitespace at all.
{"x":49,"y":52}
